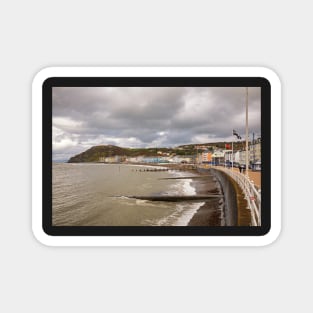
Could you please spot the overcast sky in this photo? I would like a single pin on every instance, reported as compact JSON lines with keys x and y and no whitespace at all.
{"x":149,"y":116}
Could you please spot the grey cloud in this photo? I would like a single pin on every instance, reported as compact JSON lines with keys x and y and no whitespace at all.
{"x":87,"y":115}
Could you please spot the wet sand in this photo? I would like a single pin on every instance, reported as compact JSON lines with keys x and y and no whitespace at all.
{"x":209,"y":214}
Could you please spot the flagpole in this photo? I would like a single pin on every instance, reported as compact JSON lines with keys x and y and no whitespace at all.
{"x":247,"y":144}
{"x":232,"y":153}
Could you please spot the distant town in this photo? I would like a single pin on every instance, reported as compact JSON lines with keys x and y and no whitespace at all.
{"x":225,"y":154}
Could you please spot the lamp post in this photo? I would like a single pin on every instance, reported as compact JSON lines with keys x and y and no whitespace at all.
{"x":247,"y":139}
{"x":197,"y":158}
{"x":232,"y":154}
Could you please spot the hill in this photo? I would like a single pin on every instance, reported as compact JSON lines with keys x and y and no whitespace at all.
{"x":94,"y":153}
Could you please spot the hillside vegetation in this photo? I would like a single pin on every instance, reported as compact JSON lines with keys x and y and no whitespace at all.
{"x":94,"y":153}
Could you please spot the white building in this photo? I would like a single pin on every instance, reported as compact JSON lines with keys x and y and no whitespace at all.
{"x":218,"y":157}
{"x":182,"y":159}
{"x":137,"y":159}
{"x":237,"y":156}
{"x":255,"y":152}
{"x":228,"y":156}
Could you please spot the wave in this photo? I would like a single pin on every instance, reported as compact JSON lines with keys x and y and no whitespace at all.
{"x":184,"y":211}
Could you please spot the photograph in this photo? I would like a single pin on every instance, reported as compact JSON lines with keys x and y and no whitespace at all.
{"x":156,"y":156}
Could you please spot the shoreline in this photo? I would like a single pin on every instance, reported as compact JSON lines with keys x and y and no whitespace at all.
{"x":208,"y":214}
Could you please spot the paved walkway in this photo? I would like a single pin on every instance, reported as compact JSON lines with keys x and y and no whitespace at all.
{"x":255,"y":177}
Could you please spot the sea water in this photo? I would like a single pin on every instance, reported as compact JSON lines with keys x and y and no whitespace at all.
{"x":94,"y":194}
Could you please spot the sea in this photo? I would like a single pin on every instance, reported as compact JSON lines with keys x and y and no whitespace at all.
{"x":97,"y":194}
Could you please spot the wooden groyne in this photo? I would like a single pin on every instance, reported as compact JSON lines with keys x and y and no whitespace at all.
{"x":187,"y":177}
{"x":177,"y":198}
{"x":165,"y":168}
{"x":152,"y":170}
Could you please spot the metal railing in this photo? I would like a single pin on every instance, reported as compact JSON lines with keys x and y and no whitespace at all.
{"x":252,"y":195}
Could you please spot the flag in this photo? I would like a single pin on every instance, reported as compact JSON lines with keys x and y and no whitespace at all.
{"x":227,"y":146}
{"x":236,"y":134}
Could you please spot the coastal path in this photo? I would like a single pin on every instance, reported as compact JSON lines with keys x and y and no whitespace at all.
{"x":250,"y":185}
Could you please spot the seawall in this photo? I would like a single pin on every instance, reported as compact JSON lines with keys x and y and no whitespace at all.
{"x":230,"y":197}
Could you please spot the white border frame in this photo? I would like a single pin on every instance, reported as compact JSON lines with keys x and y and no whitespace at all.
{"x":156,"y":240}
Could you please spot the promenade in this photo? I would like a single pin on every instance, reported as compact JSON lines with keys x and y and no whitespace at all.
{"x":254,"y":176}
{"x":248,"y":195}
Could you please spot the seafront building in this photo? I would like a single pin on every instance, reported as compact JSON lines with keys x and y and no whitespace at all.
{"x":218,"y":157}
{"x":184,"y":159}
{"x":255,"y":151}
{"x":205,"y":157}
{"x":255,"y":156}
{"x":211,"y":155}
{"x":228,"y":156}
{"x":112,"y":159}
